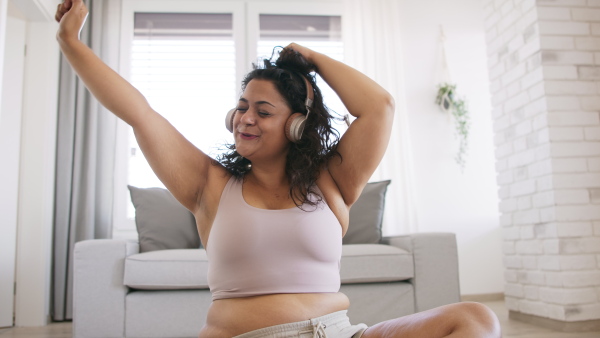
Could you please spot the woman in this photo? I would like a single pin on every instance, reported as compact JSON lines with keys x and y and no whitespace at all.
{"x":297,"y":182}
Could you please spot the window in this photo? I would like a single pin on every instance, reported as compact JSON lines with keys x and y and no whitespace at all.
{"x":188,"y":59}
{"x":317,"y":32}
{"x":184,"y":64}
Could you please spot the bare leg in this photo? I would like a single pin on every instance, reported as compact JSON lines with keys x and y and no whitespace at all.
{"x":462,"y":320}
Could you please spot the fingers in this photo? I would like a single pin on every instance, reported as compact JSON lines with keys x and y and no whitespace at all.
{"x":66,"y":6}
{"x":71,"y":15}
{"x":296,"y":47}
{"x":62,"y":9}
{"x":59,"y":13}
{"x":292,"y":46}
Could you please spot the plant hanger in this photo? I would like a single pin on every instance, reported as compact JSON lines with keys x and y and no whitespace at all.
{"x":450,"y":103}
{"x":446,"y":78}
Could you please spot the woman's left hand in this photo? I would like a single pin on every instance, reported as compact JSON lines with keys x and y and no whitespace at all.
{"x":304,"y":51}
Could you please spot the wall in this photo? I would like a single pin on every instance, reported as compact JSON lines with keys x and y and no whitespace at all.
{"x":36,"y":183}
{"x":465,"y":203}
{"x":10,"y":136}
{"x":35,"y":193}
{"x":544,"y":65}
{"x":37,"y":10}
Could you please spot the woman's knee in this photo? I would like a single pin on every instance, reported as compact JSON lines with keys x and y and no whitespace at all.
{"x":479,"y":317}
{"x":454,"y":320}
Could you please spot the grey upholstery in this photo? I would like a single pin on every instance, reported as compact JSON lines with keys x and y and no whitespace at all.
{"x":431,"y":272}
{"x":120,"y":292}
{"x":167,"y":270}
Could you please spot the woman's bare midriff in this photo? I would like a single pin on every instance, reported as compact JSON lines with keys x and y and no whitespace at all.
{"x":230,"y":317}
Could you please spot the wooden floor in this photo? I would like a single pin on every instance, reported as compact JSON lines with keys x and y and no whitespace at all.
{"x":510,"y":328}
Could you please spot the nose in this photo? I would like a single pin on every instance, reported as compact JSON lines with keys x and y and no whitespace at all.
{"x":248,"y":118}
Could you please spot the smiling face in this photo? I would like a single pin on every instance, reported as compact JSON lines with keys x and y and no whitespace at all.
{"x":259,"y":122}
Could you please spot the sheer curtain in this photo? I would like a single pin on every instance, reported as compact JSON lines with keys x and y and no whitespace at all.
{"x":85,"y":160}
{"x":372,"y":44}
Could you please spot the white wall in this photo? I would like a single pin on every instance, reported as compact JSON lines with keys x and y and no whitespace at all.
{"x":10,"y":140}
{"x":35,"y":196}
{"x":448,"y":200}
{"x":36,"y":184}
{"x":38,"y":10}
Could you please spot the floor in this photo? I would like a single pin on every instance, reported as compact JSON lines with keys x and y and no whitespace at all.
{"x":516,"y":329}
{"x":510,"y":328}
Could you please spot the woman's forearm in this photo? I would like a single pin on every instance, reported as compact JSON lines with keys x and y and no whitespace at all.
{"x":358,"y":92}
{"x":111,"y":90}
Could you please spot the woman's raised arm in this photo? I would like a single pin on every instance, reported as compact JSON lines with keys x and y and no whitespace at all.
{"x":181,"y":166}
{"x":363,"y":145}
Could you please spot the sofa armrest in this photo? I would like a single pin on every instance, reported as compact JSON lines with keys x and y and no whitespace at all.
{"x":98,"y":288}
{"x":436,"y":267}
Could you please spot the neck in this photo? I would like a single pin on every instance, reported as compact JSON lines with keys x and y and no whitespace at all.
{"x":269,"y":177}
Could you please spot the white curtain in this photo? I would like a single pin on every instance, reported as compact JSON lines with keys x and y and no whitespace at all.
{"x":84,"y":161}
{"x":372,"y":44}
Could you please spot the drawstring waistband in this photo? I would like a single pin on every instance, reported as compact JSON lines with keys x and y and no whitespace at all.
{"x":318,"y":330}
{"x":335,"y":323}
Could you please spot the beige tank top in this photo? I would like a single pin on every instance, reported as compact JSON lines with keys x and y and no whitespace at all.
{"x":253,"y":251}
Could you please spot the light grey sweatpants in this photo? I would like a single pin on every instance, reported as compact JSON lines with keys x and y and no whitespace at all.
{"x":333,"y":325}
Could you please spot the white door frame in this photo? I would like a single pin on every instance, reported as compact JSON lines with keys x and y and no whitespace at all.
{"x":12,"y":61}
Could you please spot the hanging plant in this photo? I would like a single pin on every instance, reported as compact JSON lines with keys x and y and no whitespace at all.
{"x":449,"y":102}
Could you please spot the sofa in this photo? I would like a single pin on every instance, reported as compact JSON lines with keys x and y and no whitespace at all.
{"x":121,"y":290}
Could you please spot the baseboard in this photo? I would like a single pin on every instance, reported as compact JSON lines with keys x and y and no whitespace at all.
{"x":482,"y":297}
{"x":556,"y":325}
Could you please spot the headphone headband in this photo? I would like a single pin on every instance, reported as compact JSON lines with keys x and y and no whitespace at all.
{"x":309,"y":95}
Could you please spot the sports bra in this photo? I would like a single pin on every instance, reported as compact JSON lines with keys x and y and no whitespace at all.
{"x":253,"y":251}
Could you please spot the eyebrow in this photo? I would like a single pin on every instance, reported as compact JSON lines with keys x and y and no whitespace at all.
{"x":258,"y":102}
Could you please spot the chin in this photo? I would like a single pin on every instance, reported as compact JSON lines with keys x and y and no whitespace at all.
{"x":244,"y":152}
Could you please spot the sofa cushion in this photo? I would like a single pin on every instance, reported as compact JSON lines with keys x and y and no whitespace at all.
{"x":366,"y":215}
{"x":187,"y":268}
{"x":370,"y":263}
{"x":167,"y":270}
{"x":162,"y":222}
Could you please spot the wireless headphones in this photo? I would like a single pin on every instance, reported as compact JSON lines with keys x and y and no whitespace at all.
{"x":294,"y":126}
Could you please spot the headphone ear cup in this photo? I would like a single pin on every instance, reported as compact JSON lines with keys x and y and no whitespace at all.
{"x":294,"y":127}
{"x":229,"y":119}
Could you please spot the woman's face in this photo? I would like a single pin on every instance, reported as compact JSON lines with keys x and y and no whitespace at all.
{"x":259,"y":122}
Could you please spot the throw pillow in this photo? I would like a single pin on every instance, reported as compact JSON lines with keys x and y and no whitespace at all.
{"x":366,"y":215}
{"x":162,"y":222}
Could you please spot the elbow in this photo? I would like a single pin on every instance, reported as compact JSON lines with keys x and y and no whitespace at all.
{"x":389,"y":106}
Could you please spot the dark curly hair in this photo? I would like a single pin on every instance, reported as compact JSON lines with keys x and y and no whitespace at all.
{"x":319,"y":139}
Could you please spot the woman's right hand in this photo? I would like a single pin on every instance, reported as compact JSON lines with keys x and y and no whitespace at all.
{"x":71,"y":15}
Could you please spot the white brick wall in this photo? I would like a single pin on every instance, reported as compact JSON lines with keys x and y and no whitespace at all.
{"x":544,"y":67}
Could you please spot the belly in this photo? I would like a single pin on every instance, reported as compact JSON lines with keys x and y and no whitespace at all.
{"x":231,"y":317}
